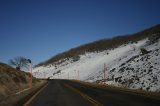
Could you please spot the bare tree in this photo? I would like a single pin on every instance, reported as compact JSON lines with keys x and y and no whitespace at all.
{"x":18,"y":62}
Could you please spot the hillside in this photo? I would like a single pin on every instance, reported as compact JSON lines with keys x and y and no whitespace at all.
{"x":101,"y":45}
{"x":132,"y":62}
{"x":12,"y":80}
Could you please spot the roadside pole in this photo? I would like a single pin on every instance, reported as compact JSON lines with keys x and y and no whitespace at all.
{"x":31,"y":75}
{"x":104,"y":72}
{"x":68,"y":75}
{"x":44,"y":75}
{"x":30,"y":68}
{"x":78,"y":75}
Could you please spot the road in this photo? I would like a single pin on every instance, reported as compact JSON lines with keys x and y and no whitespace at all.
{"x":69,"y":93}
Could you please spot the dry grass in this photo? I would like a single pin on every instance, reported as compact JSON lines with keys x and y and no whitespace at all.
{"x":12,"y":100}
{"x":12,"y":81}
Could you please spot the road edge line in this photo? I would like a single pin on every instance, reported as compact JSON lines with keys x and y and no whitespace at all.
{"x":28,"y":103}
{"x":94,"y":102}
{"x":22,"y":91}
{"x":146,"y":94}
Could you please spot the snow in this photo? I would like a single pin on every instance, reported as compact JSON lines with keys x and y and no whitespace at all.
{"x":125,"y":66}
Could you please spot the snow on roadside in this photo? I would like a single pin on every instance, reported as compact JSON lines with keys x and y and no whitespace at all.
{"x":122,"y":66}
{"x":88,"y":63}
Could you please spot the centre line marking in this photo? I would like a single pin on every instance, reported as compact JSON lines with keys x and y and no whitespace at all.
{"x":94,"y":102}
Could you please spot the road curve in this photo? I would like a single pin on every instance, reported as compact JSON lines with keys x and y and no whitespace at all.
{"x":69,"y":93}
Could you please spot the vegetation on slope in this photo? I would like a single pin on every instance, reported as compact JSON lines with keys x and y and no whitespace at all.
{"x":12,"y":80}
{"x":104,"y":44}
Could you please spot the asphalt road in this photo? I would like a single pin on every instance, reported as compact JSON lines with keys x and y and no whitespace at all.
{"x":68,"y":93}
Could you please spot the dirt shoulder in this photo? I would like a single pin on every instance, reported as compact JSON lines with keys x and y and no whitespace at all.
{"x":153,"y":95}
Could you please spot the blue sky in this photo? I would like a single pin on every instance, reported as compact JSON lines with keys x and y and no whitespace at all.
{"x":39,"y":29}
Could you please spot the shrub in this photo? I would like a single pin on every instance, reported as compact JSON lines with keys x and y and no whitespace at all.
{"x":76,"y":58}
{"x":144,"y":51}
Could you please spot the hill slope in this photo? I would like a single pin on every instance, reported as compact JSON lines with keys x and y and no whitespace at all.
{"x":132,"y":62}
{"x":12,"y":80}
{"x":103,"y":44}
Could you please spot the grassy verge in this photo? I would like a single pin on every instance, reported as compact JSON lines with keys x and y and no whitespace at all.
{"x":29,"y":94}
{"x":21,"y":98}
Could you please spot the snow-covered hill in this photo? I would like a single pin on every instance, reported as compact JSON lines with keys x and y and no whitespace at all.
{"x":133,"y":65}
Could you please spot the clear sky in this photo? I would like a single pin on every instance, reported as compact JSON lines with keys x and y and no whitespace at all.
{"x":39,"y":29}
